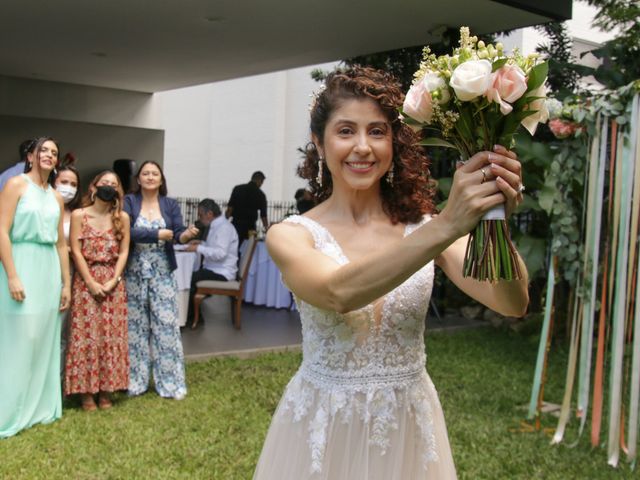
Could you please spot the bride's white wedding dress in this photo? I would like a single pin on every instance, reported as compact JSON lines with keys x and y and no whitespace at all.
{"x":361,"y":406}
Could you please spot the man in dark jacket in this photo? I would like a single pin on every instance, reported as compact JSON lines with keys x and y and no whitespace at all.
{"x":245,"y":201}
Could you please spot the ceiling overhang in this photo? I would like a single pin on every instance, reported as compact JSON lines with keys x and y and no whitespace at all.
{"x":150,"y":45}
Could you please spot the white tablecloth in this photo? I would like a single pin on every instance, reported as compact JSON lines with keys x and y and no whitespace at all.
{"x":264,"y":285}
{"x":188,"y":262}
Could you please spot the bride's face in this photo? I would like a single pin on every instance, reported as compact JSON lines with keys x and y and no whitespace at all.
{"x":357,"y":145}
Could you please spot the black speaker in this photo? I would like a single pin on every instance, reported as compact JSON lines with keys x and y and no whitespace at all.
{"x":126,"y":171}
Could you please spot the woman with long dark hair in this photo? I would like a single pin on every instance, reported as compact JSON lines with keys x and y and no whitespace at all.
{"x":361,"y":266}
{"x":34,"y":288}
{"x":155,"y":345}
{"x":97,"y":360}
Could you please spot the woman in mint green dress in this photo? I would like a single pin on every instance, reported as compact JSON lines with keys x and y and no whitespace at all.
{"x":34,"y":288}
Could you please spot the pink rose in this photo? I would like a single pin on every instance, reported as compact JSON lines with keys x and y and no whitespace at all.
{"x":562,"y":129}
{"x":418,"y":103}
{"x":507,"y":85}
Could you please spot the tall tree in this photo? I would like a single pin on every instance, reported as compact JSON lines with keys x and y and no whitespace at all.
{"x":563,"y":77}
{"x":621,"y":55}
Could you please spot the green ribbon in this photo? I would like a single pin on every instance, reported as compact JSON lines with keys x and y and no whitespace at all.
{"x":542,"y":348}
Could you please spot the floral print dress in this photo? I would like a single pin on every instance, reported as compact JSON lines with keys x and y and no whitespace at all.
{"x":97,"y":352}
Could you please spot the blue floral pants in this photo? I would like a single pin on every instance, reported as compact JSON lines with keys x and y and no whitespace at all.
{"x":155,"y":345}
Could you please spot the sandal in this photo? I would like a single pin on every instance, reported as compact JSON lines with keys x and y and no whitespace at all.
{"x":104,"y":400}
{"x":88,"y":402}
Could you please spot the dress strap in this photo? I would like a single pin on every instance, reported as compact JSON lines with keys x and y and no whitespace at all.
{"x":314,"y":228}
{"x":322,"y":238}
{"x":47,"y":189}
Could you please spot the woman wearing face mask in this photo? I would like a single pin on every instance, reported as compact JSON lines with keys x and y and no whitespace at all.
{"x":97,"y":360}
{"x":67,"y":183}
{"x":155,"y":345}
{"x":34,"y":287}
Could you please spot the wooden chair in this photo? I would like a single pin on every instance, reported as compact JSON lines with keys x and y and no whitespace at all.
{"x":233,"y":288}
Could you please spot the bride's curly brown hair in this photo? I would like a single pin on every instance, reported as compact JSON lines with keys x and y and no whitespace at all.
{"x":411,"y":195}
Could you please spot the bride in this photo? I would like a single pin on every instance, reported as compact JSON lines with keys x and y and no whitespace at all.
{"x":361,"y":266}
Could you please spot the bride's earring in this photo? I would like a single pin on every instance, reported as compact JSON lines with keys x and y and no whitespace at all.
{"x":390,"y":176}
{"x":319,"y":176}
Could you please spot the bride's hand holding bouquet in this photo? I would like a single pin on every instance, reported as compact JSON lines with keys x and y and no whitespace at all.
{"x":474,"y":101}
{"x":487,"y":180}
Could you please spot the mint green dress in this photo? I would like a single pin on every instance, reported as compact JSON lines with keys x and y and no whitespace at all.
{"x":30,"y":390}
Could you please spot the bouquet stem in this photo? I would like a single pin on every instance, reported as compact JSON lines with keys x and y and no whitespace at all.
{"x":490,"y":254}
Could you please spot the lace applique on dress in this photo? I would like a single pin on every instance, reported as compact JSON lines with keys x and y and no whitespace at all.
{"x":354,"y":365}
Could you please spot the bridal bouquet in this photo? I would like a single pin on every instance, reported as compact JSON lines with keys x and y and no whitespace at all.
{"x":473,"y":99}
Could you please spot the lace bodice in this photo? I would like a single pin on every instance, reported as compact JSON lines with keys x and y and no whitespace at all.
{"x":369,"y":362}
{"x":375,"y":344}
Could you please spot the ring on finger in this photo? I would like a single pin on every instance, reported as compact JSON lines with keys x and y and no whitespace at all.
{"x":521,"y":188}
{"x":484,"y":175}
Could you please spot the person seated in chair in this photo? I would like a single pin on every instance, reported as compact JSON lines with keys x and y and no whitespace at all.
{"x":219,"y":249}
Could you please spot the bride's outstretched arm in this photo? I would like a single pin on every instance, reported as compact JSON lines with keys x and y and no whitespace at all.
{"x":319,"y":280}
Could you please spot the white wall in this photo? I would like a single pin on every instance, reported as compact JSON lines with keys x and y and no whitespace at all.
{"x":220,"y":133}
{"x":579,"y":28}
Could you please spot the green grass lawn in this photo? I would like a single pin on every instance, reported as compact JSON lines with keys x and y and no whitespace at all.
{"x":483,"y":376}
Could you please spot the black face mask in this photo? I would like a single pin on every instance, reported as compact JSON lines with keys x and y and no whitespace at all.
{"x":106,"y":193}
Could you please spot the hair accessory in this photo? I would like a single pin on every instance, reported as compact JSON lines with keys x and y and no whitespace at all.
{"x":315,"y":95}
{"x":390,"y":175}
{"x":319,"y":176}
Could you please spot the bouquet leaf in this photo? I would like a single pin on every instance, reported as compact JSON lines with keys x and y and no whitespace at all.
{"x":436,"y":142}
{"x":498,"y":64}
{"x":537,"y":76}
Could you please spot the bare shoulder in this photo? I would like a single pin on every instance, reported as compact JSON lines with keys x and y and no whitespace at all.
{"x":15,"y":185}
{"x":284,"y":237}
{"x":77,"y":213}
{"x":124,"y":216}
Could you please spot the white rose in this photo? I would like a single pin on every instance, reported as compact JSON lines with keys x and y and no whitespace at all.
{"x":471,"y":79}
{"x":540,"y":105}
{"x":434,"y":82}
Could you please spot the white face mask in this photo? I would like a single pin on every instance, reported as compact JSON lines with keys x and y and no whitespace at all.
{"x":67,"y":192}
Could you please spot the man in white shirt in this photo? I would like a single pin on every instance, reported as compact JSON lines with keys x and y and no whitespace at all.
{"x":219,"y":250}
